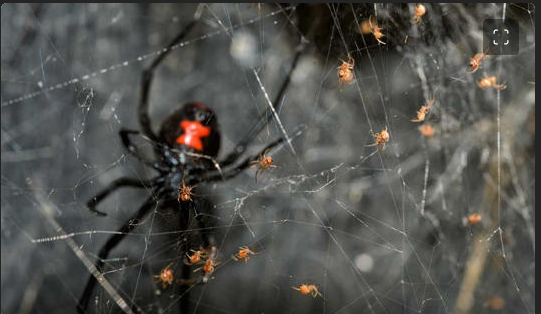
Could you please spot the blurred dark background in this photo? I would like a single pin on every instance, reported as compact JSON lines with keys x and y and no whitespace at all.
{"x":376,"y":232}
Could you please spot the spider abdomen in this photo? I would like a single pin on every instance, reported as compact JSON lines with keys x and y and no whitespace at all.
{"x":192,"y":128}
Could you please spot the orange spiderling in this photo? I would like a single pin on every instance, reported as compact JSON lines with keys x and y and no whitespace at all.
{"x":208,"y":267}
{"x":475,"y":61}
{"x":474,"y":219}
{"x":495,"y":302}
{"x":371,"y":26}
{"x":263,"y":162}
{"x":195,"y":257}
{"x":165,"y":276}
{"x":420,"y":10}
{"x":490,"y":82}
{"x":427,"y":130}
{"x":185,"y":192}
{"x":345,"y":73}
{"x":243,"y":254}
{"x":380,"y":138}
{"x":424,"y":110}
{"x":306,"y":289}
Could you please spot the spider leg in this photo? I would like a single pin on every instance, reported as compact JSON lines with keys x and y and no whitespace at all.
{"x":111,"y":243}
{"x":257,"y":173}
{"x":118,"y":183}
{"x":215,"y":175}
{"x":208,"y":244}
{"x":474,"y":70}
{"x":134,"y":151}
{"x":208,"y":240}
{"x":198,"y":269}
{"x":185,"y":273}
{"x":262,"y":121}
{"x":146,"y":81}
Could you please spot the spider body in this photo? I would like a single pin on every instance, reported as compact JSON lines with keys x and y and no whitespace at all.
{"x":208,"y":267}
{"x":186,"y":149}
{"x":421,"y":114}
{"x":195,"y":257}
{"x":345,"y":73}
{"x":490,"y":81}
{"x":194,"y":127}
{"x":188,"y":133}
{"x":371,"y":26}
{"x":495,"y":303}
{"x":308,"y":289}
{"x":165,"y":276}
{"x":474,"y":219}
{"x":243,"y":254}
{"x":380,"y":139}
{"x":423,"y":111}
{"x":475,"y":61}
{"x":427,"y":130}
{"x":263,"y":162}
{"x":185,"y":192}
{"x":420,"y":10}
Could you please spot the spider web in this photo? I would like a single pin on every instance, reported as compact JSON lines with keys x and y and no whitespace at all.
{"x":375,"y":231}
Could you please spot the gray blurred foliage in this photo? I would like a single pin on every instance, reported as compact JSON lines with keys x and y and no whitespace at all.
{"x":359,"y":224}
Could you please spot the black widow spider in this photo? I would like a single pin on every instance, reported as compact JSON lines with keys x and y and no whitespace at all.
{"x":186,"y":147}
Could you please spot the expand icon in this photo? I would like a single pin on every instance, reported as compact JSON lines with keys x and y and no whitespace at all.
{"x":496,"y":43}
{"x":500,"y":37}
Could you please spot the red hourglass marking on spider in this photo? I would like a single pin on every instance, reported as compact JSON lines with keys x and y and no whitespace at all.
{"x":193,"y":131}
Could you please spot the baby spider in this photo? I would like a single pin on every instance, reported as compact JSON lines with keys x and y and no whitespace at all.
{"x":243,"y":254}
{"x":306,"y":289}
{"x":472,"y":219}
{"x":421,"y":113}
{"x":495,"y":303}
{"x":196,"y":256}
{"x":185,"y":192}
{"x":427,"y":130}
{"x":475,"y":62}
{"x":380,"y":139}
{"x":420,"y":10}
{"x":490,"y":82}
{"x":263,"y":162}
{"x":371,"y":26}
{"x":208,"y":268}
{"x":345,"y":75}
{"x":165,"y":276}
